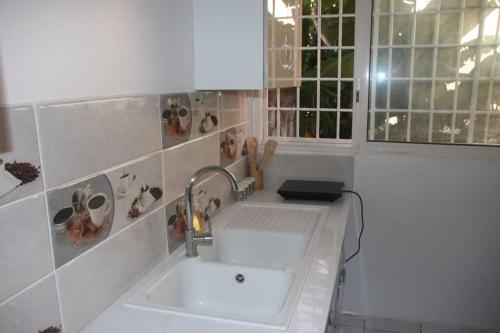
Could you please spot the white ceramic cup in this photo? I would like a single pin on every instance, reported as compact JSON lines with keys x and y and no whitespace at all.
{"x":98,"y":207}
{"x":125,"y":182}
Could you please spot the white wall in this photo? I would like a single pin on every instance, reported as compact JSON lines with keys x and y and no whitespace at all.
{"x":57,"y":49}
{"x":430,"y":250}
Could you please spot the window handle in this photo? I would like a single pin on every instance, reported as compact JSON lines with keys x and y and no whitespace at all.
{"x":357,"y":89}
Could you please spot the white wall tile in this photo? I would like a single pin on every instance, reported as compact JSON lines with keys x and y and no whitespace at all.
{"x":432,"y":328}
{"x":182,"y":161}
{"x":33,"y":310}
{"x":282,"y":166}
{"x":233,"y":108}
{"x":81,"y":138}
{"x":25,"y":254}
{"x":392,"y":325}
{"x":18,"y":142}
{"x":96,"y":279}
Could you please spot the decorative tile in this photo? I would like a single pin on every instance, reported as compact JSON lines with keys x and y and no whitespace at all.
{"x":209,"y":198}
{"x":24,"y":245}
{"x":239,"y":169}
{"x":233,"y":108}
{"x":176,"y":119}
{"x":81,"y":216}
{"x":20,"y":173}
{"x":81,"y":138}
{"x":205,"y":114}
{"x":96,"y":279}
{"x":182,"y":161}
{"x":137,"y":189}
{"x":33,"y":310}
{"x":233,"y":145}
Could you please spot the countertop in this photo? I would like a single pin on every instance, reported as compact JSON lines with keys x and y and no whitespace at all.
{"x":312,"y":309}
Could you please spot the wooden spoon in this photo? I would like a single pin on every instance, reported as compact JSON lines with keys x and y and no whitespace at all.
{"x":269,"y":149}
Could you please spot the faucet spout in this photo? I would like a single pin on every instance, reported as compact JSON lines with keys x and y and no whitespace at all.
{"x":192,"y":240}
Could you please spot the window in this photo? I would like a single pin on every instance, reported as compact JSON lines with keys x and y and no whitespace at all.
{"x":435,"y":72}
{"x":320,"y":109}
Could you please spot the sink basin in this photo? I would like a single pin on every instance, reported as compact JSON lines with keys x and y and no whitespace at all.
{"x":272,"y":237}
{"x":211,"y":288}
{"x":270,"y":245}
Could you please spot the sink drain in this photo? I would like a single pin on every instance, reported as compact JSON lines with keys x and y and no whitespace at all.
{"x":240,"y":278}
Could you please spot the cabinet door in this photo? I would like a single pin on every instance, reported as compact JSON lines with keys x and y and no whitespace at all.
{"x":284,"y":40}
{"x":228,"y":44}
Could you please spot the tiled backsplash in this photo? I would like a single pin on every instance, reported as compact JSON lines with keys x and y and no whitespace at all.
{"x":92,"y":196}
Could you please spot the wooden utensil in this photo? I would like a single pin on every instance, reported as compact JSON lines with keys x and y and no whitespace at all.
{"x":269,"y":149}
{"x":252,"y":150}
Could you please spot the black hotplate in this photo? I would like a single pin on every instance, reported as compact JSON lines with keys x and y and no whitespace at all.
{"x":311,"y":190}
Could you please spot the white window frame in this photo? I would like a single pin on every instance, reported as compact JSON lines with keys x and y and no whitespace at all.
{"x":359,"y":143}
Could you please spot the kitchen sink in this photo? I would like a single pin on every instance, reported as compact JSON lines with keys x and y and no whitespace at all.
{"x":252,"y":274}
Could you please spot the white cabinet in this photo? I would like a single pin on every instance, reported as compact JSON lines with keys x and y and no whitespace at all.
{"x":246,"y":44}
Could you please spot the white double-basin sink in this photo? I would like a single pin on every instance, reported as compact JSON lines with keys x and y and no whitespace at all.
{"x":253,"y":273}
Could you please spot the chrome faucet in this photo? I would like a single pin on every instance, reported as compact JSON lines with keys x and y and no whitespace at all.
{"x":192,"y":240}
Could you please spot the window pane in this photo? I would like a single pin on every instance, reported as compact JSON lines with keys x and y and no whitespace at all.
{"x":328,"y":94}
{"x":330,"y":31}
{"x":441,"y":129}
{"x":330,"y":6}
{"x":309,"y":63}
{"x":329,"y":63}
{"x":272,"y":123}
{"x":347,"y":64}
{"x":448,"y":27}
{"x":425,"y":28}
{"x":424,"y":60}
{"x":443,"y":95}
{"x":464,"y":95}
{"x":382,"y":5}
{"x":345,"y":125}
{"x":288,"y":97}
{"x":349,"y":6}
{"x":380,"y":121}
{"x":307,"y":124}
{"x":383,"y":31}
{"x":309,"y":33}
{"x":446,"y":62}
{"x":462,"y":122}
{"x":493,"y":136}
{"x":328,"y":125}
{"x":405,"y":6}
{"x":482,"y":95}
{"x":381,"y":94}
{"x":308,"y":94}
{"x":398,"y":124}
{"x":421,"y":98}
{"x":346,"y":88}
{"x":399,"y":94}
{"x":272,"y":98}
{"x":288,"y":123}
{"x":382,"y":64}
{"x":419,"y":130}
{"x":401,"y":62}
{"x":309,"y":7}
{"x":495,"y":98}
{"x":402,"y":30}
{"x":348,"y":31}
{"x":479,"y":128}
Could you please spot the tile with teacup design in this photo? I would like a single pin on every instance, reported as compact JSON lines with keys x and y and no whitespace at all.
{"x":81,"y":216}
{"x":137,"y":189}
{"x":176,"y":119}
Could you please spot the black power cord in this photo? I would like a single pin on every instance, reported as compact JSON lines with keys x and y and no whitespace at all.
{"x":362,"y":224}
